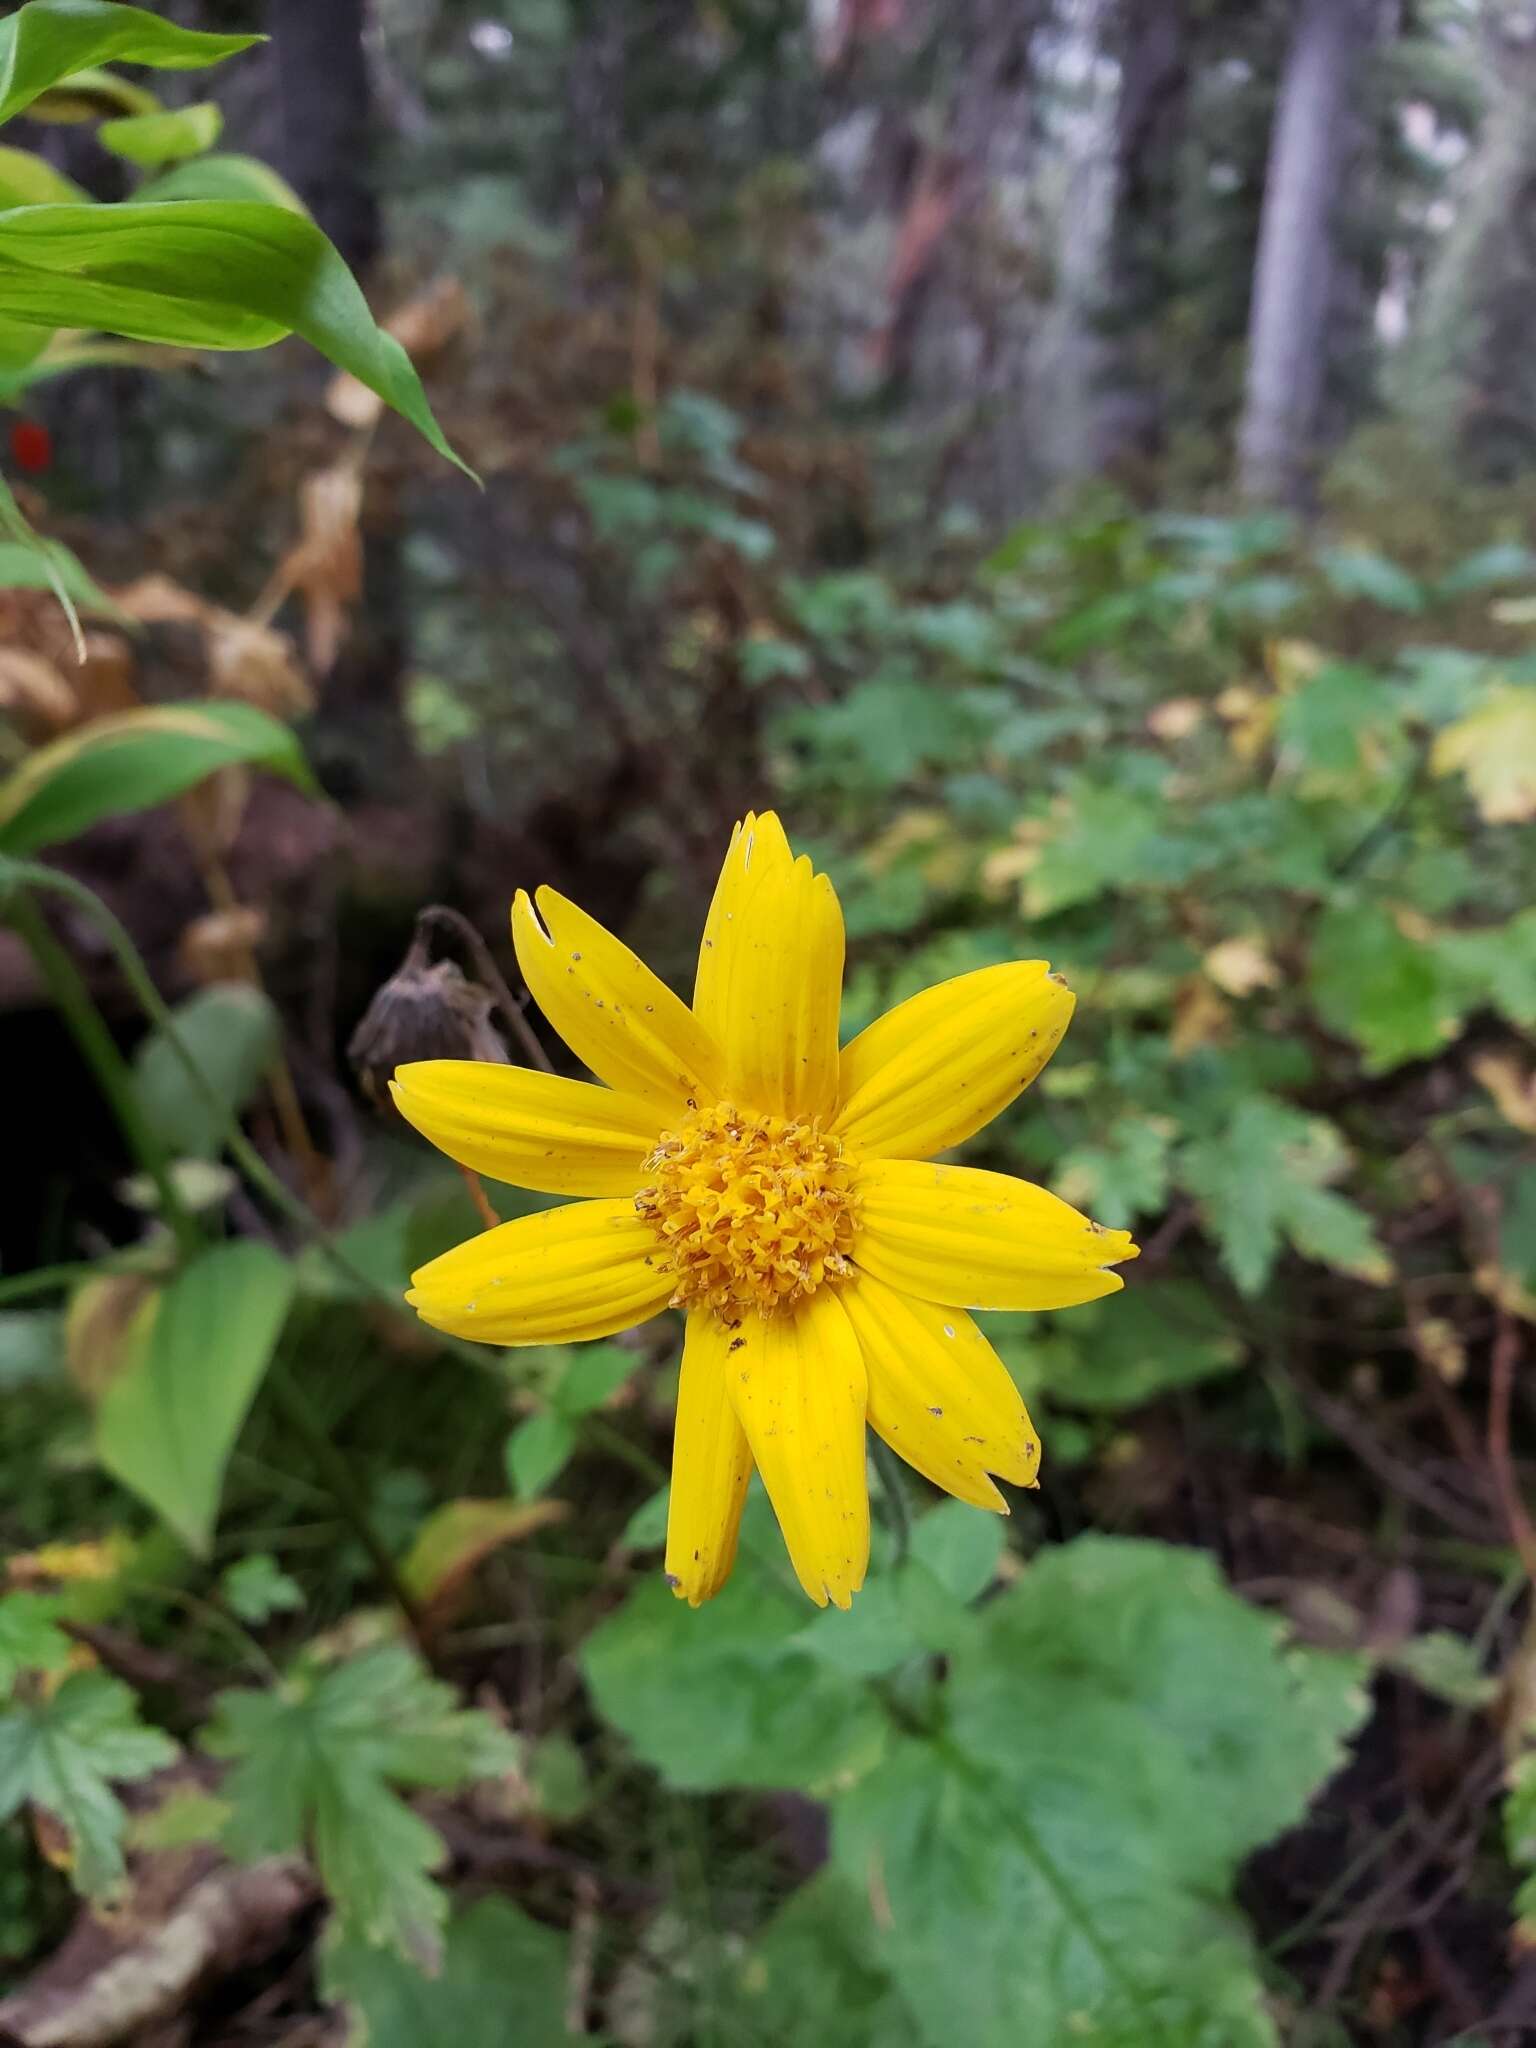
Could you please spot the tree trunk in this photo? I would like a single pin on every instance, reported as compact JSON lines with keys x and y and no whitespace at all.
{"x":1295,"y":272}
{"x":323,"y":83}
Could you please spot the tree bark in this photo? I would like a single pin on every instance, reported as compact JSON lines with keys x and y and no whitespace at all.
{"x":323,"y":84}
{"x":1295,"y":271}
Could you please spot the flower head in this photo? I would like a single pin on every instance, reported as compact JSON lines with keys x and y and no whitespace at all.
{"x":739,"y":1166}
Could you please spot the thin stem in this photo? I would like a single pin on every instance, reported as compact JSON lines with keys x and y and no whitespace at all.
{"x":491,"y":975}
{"x":51,"y":1279}
{"x":109,"y":1069}
{"x":342,"y":1487}
{"x":893,"y":1498}
{"x":1501,"y":1379}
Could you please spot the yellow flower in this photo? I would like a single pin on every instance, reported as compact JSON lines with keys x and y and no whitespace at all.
{"x":740,"y":1167}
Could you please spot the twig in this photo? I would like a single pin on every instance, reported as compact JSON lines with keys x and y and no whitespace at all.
{"x":1501,"y":1380}
{"x":491,"y":975}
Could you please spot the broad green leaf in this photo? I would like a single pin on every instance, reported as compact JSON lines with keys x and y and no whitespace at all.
{"x":724,"y":1695}
{"x":44,"y":567}
{"x":537,"y":1449}
{"x":48,"y":40}
{"x":231,"y":274}
{"x":817,"y":1956}
{"x":30,"y":1637}
{"x":1502,"y":562}
{"x":233,"y":1034}
{"x":1120,"y":1732}
{"x":225,"y":176}
{"x":30,"y":180}
{"x":1264,"y":1182}
{"x":501,"y":1984}
{"x":1392,"y":995}
{"x":168,"y":1418}
{"x":1361,"y":572}
{"x":312,"y":1764}
{"x":1495,"y":966}
{"x":1162,"y":1334}
{"x":257,"y":1587}
{"x":154,"y":139}
{"x":591,"y":1374}
{"x":918,"y":1606}
{"x":132,"y":760}
{"x":557,"y":1777}
{"x":92,"y":95}
{"x":62,"y":1754}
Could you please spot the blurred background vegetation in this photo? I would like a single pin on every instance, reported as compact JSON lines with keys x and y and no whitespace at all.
{"x":1077,"y":460}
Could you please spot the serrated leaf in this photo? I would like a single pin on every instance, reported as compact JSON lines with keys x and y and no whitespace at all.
{"x":1166,"y":1334}
{"x":1391,"y":994}
{"x":313,"y":1764}
{"x":48,"y":40}
{"x":723,"y":1696}
{"x":233,"y":1034}
{"x":1117,"y":1695}
{"x":257,"y":1587}
{"x":501,"y":1984}
{"x":30,"y":1637}
{"x":223,"y":274}
{"x":164,"y":138}
{"x":1264,"y":1182}
{"x":194,"y":1358}
{"x":132,"y":760}
{"x":1361,"y":572}
{"x":63,"y":1753}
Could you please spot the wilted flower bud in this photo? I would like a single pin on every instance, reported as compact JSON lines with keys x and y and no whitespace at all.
{"x":425,"y":1011}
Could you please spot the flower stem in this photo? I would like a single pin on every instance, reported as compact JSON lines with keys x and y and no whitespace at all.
{"x":109,"y":1069}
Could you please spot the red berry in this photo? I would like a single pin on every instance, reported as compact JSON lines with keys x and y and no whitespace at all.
{"x":32,"y":447}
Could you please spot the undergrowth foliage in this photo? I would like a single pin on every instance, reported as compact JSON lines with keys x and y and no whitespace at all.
{"x":292,"y":1582}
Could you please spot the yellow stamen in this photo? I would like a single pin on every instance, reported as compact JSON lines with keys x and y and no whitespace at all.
{"x":754,"y":1212}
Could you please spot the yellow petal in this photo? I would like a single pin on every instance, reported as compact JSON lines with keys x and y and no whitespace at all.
{"x":534,"y":1130}
{"x":797,"y":1381}
{"x":980,"y":1240}
{"x":938,"y":1067}
{"x":940,"y":1395}
{"x":711,"y":1464}
{"x":770,"y":976}
{"x":609,"y":1008}
{"x":583,"y":1270}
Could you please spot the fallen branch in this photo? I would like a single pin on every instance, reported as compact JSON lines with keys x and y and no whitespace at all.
{"x":231,"y":1918}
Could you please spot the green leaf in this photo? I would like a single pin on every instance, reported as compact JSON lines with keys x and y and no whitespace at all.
{"x":92,"y":95}
{"x":62,"y":1753}
{"x":918,"y":1606}
{"x":1264,"y":1181}
{"x":233,"y":1033}
{"x":47,"y":40}
{"x":1392,"y":995}
{"x":30,"y":1638}
{"x":724,"y":1695}
{"x":537,"y":1449}
{"x":225,"y":176}
{"x":1122,"y":1176}
{"x":168,"y":1419}
{"x":557,"y":1775}
{"x":257,"y":1588}
{"x":30,"y":180}
{"x":230,"y":274}
{"x":133,"y":760}
{"x":1163,"y":1334}
{"x":153,"y":139}
{"x":1120,"y":1733}
{"x":312,"y":1764}
{"x":1445,"y":1666}
{"x":501,"y":1984}
{"x":47,"y":566}
{"x":591,"y":1375}
{"x":1361,"y":572}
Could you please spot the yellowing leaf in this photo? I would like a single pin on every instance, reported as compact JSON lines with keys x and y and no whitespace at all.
{"x":1200,"y":1017}
{"x":453,"y":1541}
{"x":1176,"y":718}
{"x":1241,"y":965}
{"x":1512,"y":1086}
{"x":1494,"y":747}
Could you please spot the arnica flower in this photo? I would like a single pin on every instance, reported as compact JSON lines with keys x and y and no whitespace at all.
{"x":742,"y":1168}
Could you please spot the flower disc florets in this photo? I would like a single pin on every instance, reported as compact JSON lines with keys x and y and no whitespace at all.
{"x":755,"y":1212}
